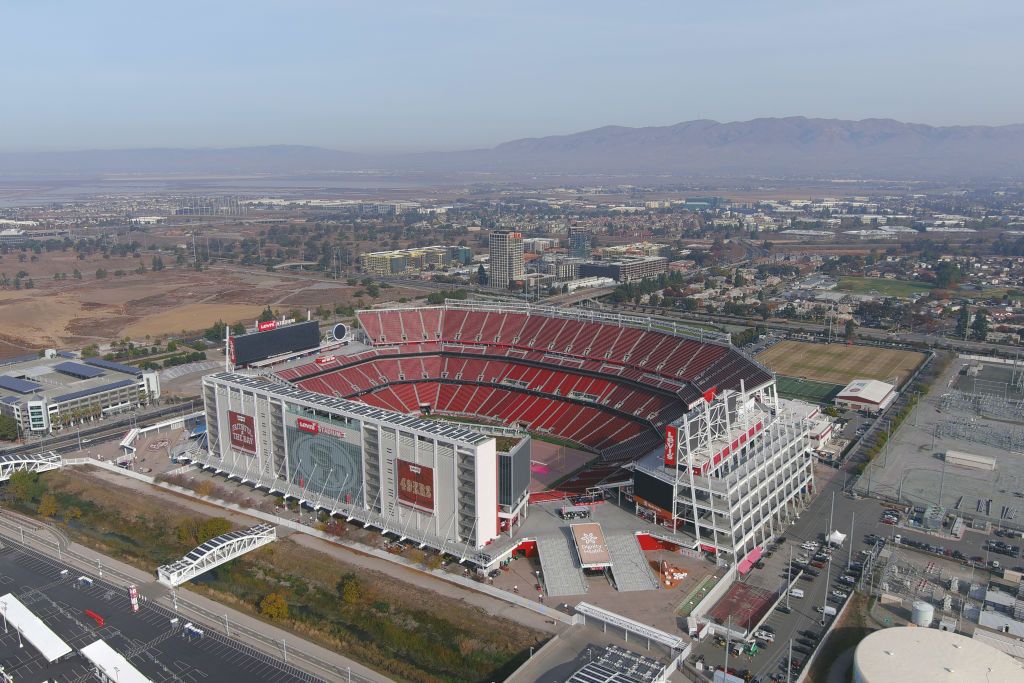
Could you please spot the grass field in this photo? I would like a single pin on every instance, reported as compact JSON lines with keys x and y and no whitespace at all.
{"x":807,"y":390}
{"x":865,"y":285}
{"x":838,"y":363}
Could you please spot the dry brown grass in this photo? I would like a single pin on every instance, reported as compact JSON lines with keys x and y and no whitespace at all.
{"x":838,"y":363}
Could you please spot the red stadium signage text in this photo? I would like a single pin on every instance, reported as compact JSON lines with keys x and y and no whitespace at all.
{"x":326,"y":359}
{"x":266,"y":325}
{"x":242,"y":430}
{"x":314,"y":427}
{"x":415,"y":485}
{"x":671,"y":445}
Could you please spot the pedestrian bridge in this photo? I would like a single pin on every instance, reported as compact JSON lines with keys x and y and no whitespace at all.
{"x":35,"y":462}
{"x":216,"y":552}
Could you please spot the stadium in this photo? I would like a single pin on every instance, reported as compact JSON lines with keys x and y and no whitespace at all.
{"x":676,"y":419}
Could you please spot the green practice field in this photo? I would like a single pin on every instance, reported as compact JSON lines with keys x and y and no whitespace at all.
{"x":807,"y":390}
{"x":866,"y":285}
{"x":838,"y":363}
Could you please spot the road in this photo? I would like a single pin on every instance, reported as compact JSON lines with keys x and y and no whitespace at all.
{"x":863,"y":333}
{"x":104,"y":430}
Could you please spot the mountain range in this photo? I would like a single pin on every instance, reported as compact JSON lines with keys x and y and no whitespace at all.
{"x":793,"y":147}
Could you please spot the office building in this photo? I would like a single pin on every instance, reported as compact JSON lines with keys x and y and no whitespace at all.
{"x":506,"y":258}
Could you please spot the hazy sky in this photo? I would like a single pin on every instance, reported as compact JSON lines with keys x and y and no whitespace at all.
{"x":431,"y":74}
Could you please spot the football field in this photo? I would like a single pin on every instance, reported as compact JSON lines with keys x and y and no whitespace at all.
{"x":838,"y":363}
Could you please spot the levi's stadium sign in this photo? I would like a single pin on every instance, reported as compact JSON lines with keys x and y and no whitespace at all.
{"x":242,"y":430}
{"x":266,"y":325}
{"x":313,"y":427}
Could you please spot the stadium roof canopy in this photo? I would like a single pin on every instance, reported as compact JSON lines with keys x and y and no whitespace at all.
{"x":866,"y":391}
{"x":78,"y":370}
{"x":32,"y":628}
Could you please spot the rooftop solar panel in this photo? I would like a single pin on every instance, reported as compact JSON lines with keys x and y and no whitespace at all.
{"x":94,"y":390}
{"x":111,"y":365}
{"x":78,"y":370}
{"x":22,"y":386}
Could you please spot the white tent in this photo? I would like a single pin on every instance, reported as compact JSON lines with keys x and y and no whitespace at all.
{"x":836,"y":538}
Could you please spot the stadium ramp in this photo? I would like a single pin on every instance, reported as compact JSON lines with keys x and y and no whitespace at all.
{"x":629,"y":566}
{"x":562,"y":573}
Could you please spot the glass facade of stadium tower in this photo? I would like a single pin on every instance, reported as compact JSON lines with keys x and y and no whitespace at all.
{"x":734,"y":471}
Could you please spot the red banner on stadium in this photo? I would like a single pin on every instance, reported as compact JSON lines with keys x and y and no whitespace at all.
{"x":671,"y":445}
{"x":415,"y":485}
{"x":266,"y":325}
{"x":242,"y":429}
{"x":308,"y":425}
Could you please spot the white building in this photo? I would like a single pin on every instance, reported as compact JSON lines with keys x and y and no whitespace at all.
{"x":438,"y":483}
{"x":733,"y":472}
{"x":866,"y":394}
{"x":905,"y":653}
{"x":506,"y":258}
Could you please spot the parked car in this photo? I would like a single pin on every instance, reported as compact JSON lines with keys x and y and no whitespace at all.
{"x":784,"y":609}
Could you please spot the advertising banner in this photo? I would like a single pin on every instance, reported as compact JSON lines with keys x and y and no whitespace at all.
{"x":415,"y":485}
{"x":242,"y":429}
{"x":266,"y":325}
{"x":671,"y":445}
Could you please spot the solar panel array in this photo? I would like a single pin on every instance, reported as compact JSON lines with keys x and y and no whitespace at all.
{"x":618,"y":665}
{"x":94,"y":390}
{"x":78,"y":370}
{"x":111,"y":365}
{"x":22,"y":386}
{"x":445,"y":430}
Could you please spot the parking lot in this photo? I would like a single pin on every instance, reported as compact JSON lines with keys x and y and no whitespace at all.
{"x":153,"y":639}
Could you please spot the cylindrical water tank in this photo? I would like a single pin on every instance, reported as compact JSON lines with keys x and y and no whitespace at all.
{"x":923,"y":615}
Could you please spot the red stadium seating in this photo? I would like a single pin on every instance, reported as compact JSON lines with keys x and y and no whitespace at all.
{"x":608,"y":388}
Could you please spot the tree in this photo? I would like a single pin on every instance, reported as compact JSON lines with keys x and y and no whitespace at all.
{"x":213,"y":527}
{"x":979,"y":328}
{"x":349,"y":589}
{"x":26,"y":487}
{"x":72,"y":513}
{"x":963,"y":319}
{"x":274,"y":606}
{"x":8,"y":428}
{"x":481,"y":275}
{"x":947,"y":275}
{"x":48,"y":505}
{"x":738,"y":280}
{"x":238,"y":329}
{"x":101,"y":273}
{"x":851,"y":330}
{"x":267,"y":315}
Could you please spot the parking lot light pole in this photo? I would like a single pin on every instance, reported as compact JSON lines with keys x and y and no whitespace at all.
{"x":790,"y":582}
{"x":849,"y":559}
{"x":789,"y":663}
{"x":824,"y":600}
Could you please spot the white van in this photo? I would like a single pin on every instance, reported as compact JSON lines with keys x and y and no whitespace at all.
{"x":796,"y":593}
{"x":829,"y":611}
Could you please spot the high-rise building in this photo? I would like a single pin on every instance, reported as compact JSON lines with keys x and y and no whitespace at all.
{"x":506,"y":258}
{"x":581,"y":241}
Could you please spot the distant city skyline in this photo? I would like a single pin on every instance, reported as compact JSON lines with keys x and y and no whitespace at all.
{"x":462,"y":75}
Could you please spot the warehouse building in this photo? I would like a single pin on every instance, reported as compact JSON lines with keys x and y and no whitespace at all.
{"x":868,"y":395}
{"x":58,"y":390}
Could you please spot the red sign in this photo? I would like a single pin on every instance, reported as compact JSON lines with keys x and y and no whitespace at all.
{"x":242,"y":429}
{"x":709,"y":395}
{"x":415,"y":485}
{"x":266,"y":325}
{"x":671,"y":445}
{"x":307,"y":425}
{"x":231,"y":349}
{"x":326,"y":359}
{"x":133,"y":594}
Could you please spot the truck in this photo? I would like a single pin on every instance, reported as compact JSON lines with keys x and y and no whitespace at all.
{"x":796,"y":593}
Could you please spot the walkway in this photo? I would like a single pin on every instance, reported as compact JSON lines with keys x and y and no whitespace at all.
{"x":629,"y":566}
{"x":561,"y":571}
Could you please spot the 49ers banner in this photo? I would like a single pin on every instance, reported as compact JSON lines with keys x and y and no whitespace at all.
{"x":242,"y":429}
{"x":415,"y":485}
{"x":671,"y":445}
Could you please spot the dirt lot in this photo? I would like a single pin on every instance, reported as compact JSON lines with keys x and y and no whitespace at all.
{"x":71,"y":313}
{"x":838,"y":363}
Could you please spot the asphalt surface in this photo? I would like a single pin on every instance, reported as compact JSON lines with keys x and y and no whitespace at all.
{"x":159,"y":648}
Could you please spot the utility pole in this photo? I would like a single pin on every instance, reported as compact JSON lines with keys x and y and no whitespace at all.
{"x":789,"y":583}
{"x":849,"y":559}
{"x":728,"y":643}
{"x":824,"y":600}
{"x":831,"y":514}
{"x":789,"y":663}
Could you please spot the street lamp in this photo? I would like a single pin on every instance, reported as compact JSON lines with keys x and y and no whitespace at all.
{"x":3,"y":603}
